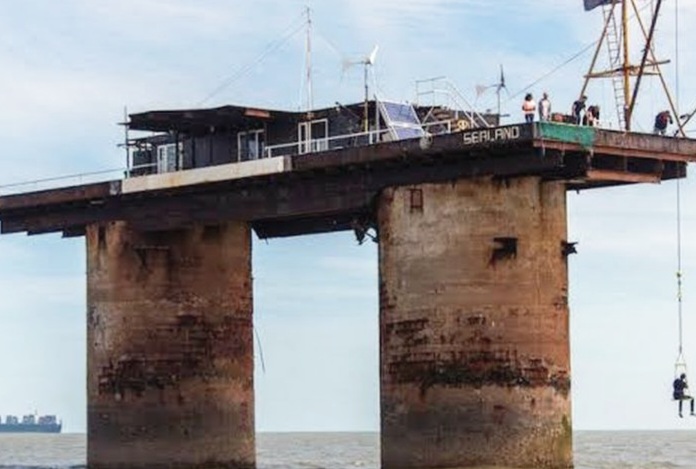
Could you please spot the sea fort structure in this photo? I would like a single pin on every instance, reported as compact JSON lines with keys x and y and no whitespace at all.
{"x":471,"y":222}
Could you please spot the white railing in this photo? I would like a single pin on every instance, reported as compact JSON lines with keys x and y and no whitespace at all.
{"x":348,"y":141}
{"x":152,"y":168}
{"x":313,"y":146}
{"x":438,"y":87}
{"x":436,"y":128}
{"x":324,"y":144}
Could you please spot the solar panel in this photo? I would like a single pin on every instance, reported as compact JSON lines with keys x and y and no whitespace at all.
{"x":401,"y":113}
{"x":402,"y":120}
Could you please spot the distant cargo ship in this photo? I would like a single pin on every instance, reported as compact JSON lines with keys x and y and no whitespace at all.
{"x":31,"y":424}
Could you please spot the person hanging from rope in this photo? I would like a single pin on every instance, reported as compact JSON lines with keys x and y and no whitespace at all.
{"x":679,"y":387}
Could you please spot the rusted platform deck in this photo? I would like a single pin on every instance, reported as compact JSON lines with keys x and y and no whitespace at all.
{"x":332,"y":191}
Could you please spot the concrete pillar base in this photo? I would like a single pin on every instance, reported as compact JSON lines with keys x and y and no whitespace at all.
{"x":170,"y":350}
{"x":475,"y":362}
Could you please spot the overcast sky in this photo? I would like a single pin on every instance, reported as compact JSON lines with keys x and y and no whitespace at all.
{"x":68,"y":68}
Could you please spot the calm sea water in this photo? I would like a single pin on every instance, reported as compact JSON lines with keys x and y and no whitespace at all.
{"x":593,"y":450}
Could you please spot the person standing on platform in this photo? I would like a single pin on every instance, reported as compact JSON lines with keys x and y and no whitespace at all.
{"x":545,"y":108}
{"x":595,"y":115}
{"x":591,"y":116}
{"x":578,"y":107}
{"x":529,"y":108}
{"x":662,"y":120}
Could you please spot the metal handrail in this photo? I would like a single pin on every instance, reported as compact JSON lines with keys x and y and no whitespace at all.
{"x":373,"y":136}
{"x":269,"y":150}
{"x":457,"y":101}
{"x":447,"y":124}
{"x":6,"y":189}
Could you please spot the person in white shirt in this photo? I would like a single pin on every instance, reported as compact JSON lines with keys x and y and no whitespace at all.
{"x":529,"y":108}
{"x":545,"y":108}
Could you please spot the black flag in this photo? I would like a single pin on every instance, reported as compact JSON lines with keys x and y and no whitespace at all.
{"x":592,"y":4}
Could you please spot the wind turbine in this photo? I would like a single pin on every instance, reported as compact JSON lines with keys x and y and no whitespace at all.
{"x":480,"y":89}
{"x":500,"y":87}
{"x":366,"y":63}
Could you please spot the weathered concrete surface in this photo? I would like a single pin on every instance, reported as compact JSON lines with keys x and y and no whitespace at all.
{"x":475,"y":364}
{"x":170,"y":350}
{"x":206,"y":175}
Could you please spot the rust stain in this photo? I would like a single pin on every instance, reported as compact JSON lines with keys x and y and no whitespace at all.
{"x":476,"y":320}
{"x":478,"y":369}
{"x":186,"y":349}
{"x":170,"y":357}
{"x":495,"y":367}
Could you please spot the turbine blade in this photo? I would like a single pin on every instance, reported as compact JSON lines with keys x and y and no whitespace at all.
{"x":373,"y":55}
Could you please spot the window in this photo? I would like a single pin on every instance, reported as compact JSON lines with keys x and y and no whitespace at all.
{"x":250,"y":145}
{"x":168,"y":156}
{"x":313,"y":136}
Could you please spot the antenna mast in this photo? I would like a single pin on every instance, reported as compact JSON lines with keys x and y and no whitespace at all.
{"x":308,"y":61}
{"x":626,"y":64}
{"x":499,"y":88}
{"x":621,"y":70}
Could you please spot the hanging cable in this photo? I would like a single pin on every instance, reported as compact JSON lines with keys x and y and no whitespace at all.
{"x":329,"y":43}
{"x":680,"y":362}
{"x":293,"y":29}
{"x":554,"y":70}
{"x":676,"y":54}
{"x":258,"y":342}
{"x":679,"y":263}
{"x":568,"y":61}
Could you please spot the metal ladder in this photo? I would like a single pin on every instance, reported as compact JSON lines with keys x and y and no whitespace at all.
{"x":613,"y":40}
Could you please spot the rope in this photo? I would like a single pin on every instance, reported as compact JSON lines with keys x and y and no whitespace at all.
{"x":676,"y":54}
{"x":680,"y":362}
{"x":258,"y":342}
{"x":291,"y":31}
{"x":568,"y":61}
{"x":554,"y":70}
